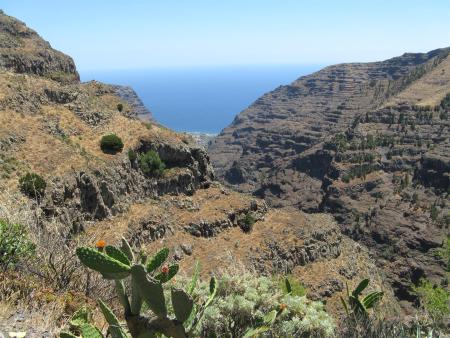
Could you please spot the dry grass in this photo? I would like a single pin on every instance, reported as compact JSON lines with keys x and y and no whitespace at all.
{"x":429,"y":90}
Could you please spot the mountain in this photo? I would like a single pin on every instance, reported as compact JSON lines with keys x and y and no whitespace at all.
{"x":365,"y":142}
{"x":51,"y":125}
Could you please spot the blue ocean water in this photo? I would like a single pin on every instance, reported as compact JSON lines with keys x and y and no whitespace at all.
{"x":201,"y":99}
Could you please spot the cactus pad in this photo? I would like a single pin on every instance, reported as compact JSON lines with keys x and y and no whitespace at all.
{"x":114,"y":326}
{"x":117,"y":254}
{"x":165,"y":277}
{"x":182,"y":304}
{"x":109,"y":267}
{"x":158,"y":259}
{"x":150,"y":290}
{"x":126,"y":249}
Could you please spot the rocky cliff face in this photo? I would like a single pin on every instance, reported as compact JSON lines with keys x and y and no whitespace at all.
{"x":22,"y":50}
{"x":368,"y":143}
{"x":128,"y":94}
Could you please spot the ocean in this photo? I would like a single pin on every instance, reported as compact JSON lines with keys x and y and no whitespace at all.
{"x":201,"y":99}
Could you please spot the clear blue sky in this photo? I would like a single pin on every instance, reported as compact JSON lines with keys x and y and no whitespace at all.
{"x":125,"y":34}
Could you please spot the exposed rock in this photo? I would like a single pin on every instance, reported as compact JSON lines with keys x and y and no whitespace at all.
{"x":368,"y":143}
{"x":187,"y":248}
{"x":22,"y":50}
{"x":85,"y":196}
{"x":138,"y":109}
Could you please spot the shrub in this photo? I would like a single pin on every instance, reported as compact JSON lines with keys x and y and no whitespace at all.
{"x":434,"y":299}
{"x":32,"y":185}
{"x":444,"y":252}
{"x":434,"y":212}
{"x":236,"y":305}
{"x":120,"y":107}
{"x":247,"y":222}
{"x":243,"y":300}
{"x":111,"y":144}
{"x":14,"y":244}
{"x":151,"y":164}
{"x":445,"y":103}
{"x":132,"y":156}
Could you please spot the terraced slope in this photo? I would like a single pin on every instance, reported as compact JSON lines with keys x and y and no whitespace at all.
{"x":367,"y":143}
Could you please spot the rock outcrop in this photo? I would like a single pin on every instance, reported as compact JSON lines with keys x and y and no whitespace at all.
{"x":22,"y":50}
{"x":128,"y":94}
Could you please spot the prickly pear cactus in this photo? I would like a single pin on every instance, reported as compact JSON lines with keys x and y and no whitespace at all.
{"x":109,"y":267}
{"x":147,"y":285}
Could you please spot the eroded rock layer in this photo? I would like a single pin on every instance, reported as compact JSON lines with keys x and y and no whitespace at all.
{"x":367,"y":143}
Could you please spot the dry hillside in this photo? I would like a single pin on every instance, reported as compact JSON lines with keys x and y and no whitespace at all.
{"x":51,"y":124}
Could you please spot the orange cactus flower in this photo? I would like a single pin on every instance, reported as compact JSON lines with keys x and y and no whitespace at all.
{"x":165,"y":269}
{"x":100,"y":244}
{"x":282,"y":307}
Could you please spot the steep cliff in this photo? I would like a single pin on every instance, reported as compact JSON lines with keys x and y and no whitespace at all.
{"x":367,"y":143}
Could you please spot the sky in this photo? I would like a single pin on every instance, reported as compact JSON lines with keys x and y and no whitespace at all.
{"x":143,"y":34}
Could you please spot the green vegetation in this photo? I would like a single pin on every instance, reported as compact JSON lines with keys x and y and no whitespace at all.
{"x":33,"y":185}
{"x":111,"y":144}
{"x":151,"y":164}
{"x":14,"y":245}
{"x":8,"y":165}
{"x":245,"y":301}
{"x":240,"y":305}
{"x":290,"y":285}
{"x":434,"y":212}
{"x":356,"y":307}
{"x":148,"y":285}
{"x":120,"y":107}
{"x":132,"y":156}
{"x":445,"y":252}
{"x":434,"y":299}
{"x":445,"y":103}
{"x":247,"y":222}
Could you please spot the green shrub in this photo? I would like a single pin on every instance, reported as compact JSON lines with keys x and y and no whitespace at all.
{"x":32,"y":185}
{"x":111,"y":144}
{"x":132,"y":156}
{"x":434,"y":212}
{"x":120,"y":107}
{"x":434,"y":299}
{"x":445,"y":252}
{"x":151,"y":164}
{"x":14,"y":245}
{"x":346,"y":178}
{"x":244,"y":299}
{"x":445,"y":103}
{"x":247,"y":222}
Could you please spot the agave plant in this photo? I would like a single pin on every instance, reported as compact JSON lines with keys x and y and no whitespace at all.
{"x":147,"y":285}
{"x":357,"y":306}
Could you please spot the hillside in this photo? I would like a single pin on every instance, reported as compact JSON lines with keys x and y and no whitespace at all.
{"x":366,"y":143}
{"x":52,"y":125}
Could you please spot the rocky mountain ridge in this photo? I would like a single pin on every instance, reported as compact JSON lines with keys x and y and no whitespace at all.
{"x":367,"y":143}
